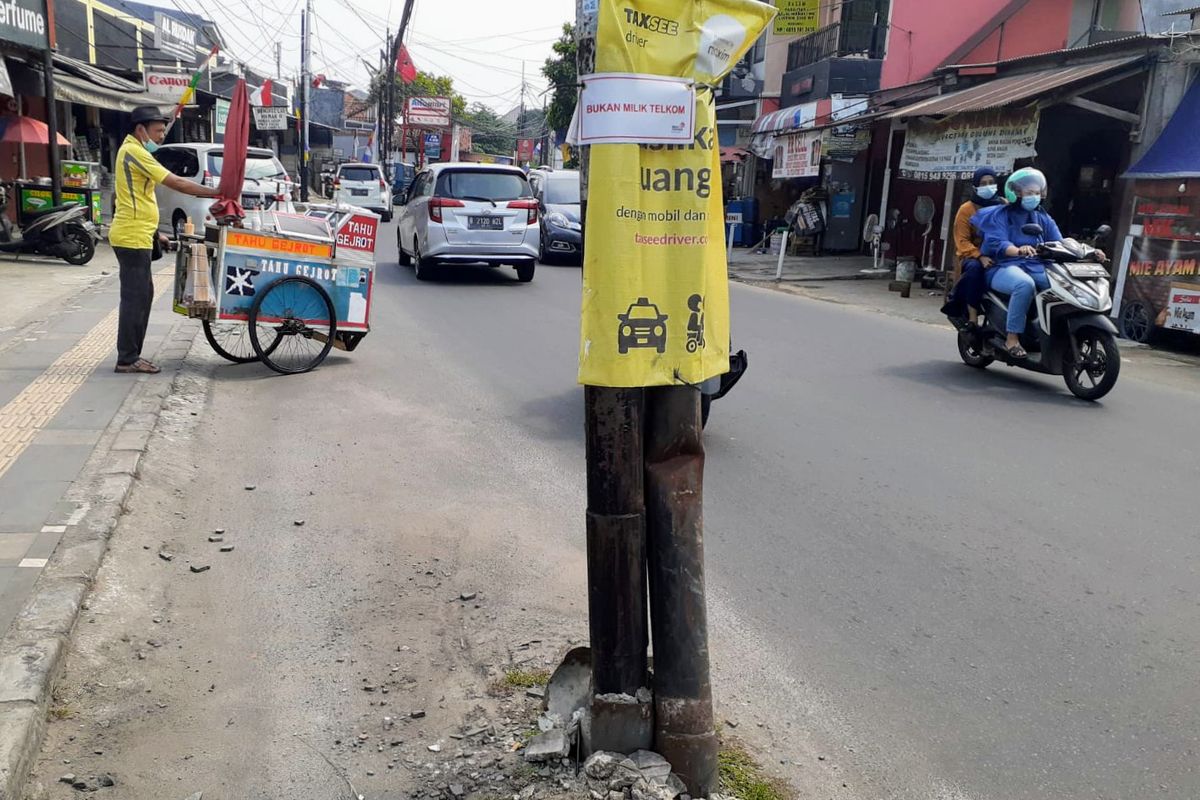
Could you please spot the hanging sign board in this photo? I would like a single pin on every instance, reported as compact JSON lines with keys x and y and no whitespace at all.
{"x":797,"y":17}
{"x":428,"y":112}
{"x":624,"y":108}
{"x":23,"y":22}
{"x":270,"y":118}
{"x":797,"y":155}
{"x":957,"y":147}
{"x":655,"y":278}
{"x":174,"y":37}
{"x":221,"y":115}
{"x":166,"y":85}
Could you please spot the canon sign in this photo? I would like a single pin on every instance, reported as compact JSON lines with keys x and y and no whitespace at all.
{"x":24,"y":22}
{"x":167,"y":85}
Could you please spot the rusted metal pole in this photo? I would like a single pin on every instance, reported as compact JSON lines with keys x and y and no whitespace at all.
{"x":684,"y":732}
{"x":616,"y":531}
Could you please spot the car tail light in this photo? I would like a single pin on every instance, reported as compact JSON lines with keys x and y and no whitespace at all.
{"x":436,"y":204}
{"x":382,"y":183}
{"x":208,"y":179}
{"x":337,"y":183}
{"x":529,"y":205}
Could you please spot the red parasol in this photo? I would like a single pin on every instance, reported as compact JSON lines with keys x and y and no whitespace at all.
{"x":25,"y":130}
{"x":233,"y":160}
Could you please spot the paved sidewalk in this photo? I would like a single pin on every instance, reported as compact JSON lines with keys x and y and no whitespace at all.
{"x":58,"y":395}
{"x":751,"y":266}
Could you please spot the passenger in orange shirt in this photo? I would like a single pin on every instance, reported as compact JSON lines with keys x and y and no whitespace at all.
{"x":967,"y":296}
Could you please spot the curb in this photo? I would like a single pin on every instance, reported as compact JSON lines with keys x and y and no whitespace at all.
{"x":765,"y":278}
{"x":32,"y":652}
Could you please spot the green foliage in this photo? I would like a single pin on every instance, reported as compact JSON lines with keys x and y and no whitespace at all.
{"x":741,"y":777}
{"x":560,"y":70}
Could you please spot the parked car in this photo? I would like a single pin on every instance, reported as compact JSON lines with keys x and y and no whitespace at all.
{"x":469,"y":214}
{"x":561,"y":227}
{"x":267,"y":184}
{"x":363,"y":185}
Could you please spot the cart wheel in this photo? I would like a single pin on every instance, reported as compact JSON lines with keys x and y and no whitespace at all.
{"x":231,"y":340}
{"x":1136,"y":324}
{"x":302,"y":315}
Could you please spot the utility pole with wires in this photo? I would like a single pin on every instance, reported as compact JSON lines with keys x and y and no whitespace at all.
{"x":305,"y":86}
{"x":279,"y":61}
{"x":393,"y":54}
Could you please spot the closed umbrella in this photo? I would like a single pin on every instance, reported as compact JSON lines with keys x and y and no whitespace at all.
{"x":25,"y":130}
{"x":233,"y":160}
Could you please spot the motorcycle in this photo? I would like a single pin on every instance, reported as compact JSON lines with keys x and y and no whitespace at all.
{"x":1069,"y":333}
{"x":61,"y":232}
{"x":716,"y":388}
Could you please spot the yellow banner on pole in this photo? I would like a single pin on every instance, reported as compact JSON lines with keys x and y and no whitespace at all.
{"x":655,"y":278}
{"x":797,"y":17}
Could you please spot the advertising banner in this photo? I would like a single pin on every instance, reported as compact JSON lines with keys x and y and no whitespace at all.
{"x":797,"y":156}
{"x":166,"y":85}
{"x":1163,"y":283}
{"x":797,"y":17}
{"x":174,"y":37}
{"x":24,"y":22}
{"x":955,"y":148}
{"x":428,"y":112}
{"x":656,"y":285}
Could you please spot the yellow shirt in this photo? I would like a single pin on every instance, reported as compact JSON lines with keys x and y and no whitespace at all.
{"x":135,"y":212}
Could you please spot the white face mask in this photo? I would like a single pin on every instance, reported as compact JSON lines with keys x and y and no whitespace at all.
{"x":986,"y":192}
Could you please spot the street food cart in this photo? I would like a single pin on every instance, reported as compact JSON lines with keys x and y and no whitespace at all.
{"x":284,"y":289}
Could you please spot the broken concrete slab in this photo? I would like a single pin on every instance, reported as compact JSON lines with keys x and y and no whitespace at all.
{"x":548,"y":746}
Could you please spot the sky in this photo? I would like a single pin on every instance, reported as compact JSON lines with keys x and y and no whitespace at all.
{"x":482,"y":44}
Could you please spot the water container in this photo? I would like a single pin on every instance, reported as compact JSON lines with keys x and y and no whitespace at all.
{"x":906,"y":269}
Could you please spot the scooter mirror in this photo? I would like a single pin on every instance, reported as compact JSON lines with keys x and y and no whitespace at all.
{"x":1031,"y":229}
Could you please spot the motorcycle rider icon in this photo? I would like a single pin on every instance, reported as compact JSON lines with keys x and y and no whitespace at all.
{"x":695,"y":326}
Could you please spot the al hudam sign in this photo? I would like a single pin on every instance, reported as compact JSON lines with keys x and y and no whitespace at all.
{"x":655,"y":279}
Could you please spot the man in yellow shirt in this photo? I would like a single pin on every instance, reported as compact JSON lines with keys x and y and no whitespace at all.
{"x":135,"y":226}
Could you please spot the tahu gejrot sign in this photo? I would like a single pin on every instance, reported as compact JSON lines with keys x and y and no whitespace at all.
{"x":656,"y":286}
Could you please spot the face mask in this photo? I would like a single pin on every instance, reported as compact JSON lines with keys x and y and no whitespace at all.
{"x":150,"y":145}
{"x":1030,"y":202}
{"x":986,"y":192}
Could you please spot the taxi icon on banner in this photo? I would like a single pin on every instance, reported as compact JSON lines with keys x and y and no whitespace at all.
{"x":642,"y":326}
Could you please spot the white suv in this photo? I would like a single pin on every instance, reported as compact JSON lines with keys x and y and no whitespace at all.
{"x":363,"y":185}
{"x":469,"y":214}
{"x":267,"y":184}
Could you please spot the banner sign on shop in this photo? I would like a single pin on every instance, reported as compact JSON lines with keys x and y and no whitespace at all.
{"x":622,"y":108}
{"x":221,"y":115}
{"x":955,"y":148}
{"x":655,"y":279}
{"x":270,"y":118}
{"x":428,"y":112}
{"x":797,"y":155}
{"x":174,"y":37}
{"x":1164,"y":278}
{"x":24,"y":22}
{"x":797,"y":17}
{"x":166,"y":85}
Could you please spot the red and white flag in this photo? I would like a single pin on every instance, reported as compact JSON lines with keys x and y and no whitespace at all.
{"x":405,"y":67}
{"x":262,"y":95}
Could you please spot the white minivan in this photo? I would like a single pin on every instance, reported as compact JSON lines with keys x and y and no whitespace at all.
{"x":363,"y":185}
{"x":267,"y":184}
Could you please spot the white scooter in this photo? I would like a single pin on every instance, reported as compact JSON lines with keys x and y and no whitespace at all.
{"x":1069,"y":332}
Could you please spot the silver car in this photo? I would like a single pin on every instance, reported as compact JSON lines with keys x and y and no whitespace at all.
{"x":469,"y":214}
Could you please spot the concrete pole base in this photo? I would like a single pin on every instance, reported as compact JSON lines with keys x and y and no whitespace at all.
{"x":620,"y":723}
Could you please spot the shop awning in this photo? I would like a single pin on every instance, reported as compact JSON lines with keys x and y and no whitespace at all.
{"x":792,"y":118}
{"x":84,"y":92}
{"x":1176,"y":153}
{"x":1013,"y":89}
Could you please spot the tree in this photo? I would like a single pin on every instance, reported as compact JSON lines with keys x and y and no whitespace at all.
{"x":489,"y":133}
{"x":560,"y":70}
{"x":426,"y":85}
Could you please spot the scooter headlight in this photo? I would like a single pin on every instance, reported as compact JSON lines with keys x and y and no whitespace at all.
{"x":1085,"y":298}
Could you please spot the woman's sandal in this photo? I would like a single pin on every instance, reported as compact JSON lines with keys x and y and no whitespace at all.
{"x":1017,"y":352}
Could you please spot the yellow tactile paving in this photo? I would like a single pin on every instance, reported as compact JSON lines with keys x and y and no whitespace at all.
{"x":38,"y":403}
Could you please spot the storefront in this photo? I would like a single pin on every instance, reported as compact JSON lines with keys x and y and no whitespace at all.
{"x":1072,"y":121}
{"x":31,"y":142}
{"x":1158,"y":272}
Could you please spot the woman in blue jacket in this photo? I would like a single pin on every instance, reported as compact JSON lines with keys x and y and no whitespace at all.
{"x":1017,"y":271}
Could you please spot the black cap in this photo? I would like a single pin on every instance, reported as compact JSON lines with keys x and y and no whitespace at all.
{"x":144,"y":114}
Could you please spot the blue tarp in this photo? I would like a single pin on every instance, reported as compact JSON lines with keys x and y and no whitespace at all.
{"x":1176,"y":154}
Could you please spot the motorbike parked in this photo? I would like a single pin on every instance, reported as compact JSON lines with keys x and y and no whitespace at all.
{"x":1069,"y":333}
{"x":716,"y":388}
{"x":60,"y":232}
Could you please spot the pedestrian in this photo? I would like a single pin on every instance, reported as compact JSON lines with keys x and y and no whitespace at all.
{"x":134,"y":232}
{"x":967,"y":295}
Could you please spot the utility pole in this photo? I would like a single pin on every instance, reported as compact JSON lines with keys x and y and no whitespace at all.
{"x":279,"y":61}
{"x":521,"y":126}
{"x":393,"y":54}
{"x":616,"y":529}
{"x":305,"y":86}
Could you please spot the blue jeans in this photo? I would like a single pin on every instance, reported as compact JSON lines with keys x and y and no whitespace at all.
{"x":1020,"y":286}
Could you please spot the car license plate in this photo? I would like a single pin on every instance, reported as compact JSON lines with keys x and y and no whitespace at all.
{"x":358,"y":192}
{"x":485,"y":223}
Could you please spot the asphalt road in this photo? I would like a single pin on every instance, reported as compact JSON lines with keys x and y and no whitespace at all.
{"x":952,"y":583}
